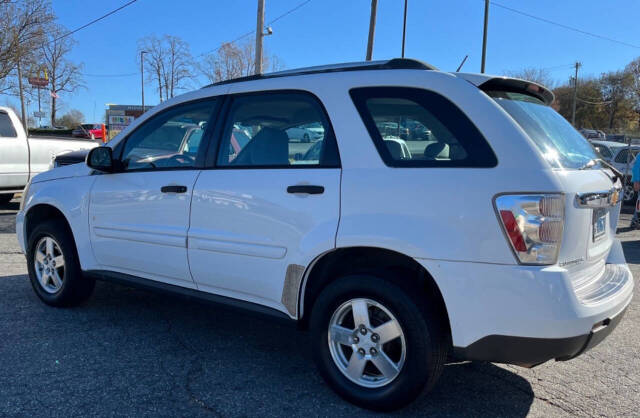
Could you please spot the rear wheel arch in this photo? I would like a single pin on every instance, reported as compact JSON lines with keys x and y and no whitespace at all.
{"x":389,"y":264}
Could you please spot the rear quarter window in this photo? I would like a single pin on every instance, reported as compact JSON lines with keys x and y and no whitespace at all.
{"x":413,"y":127}
{"x":7,"y":130}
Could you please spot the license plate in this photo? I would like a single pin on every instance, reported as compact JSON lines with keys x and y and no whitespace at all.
{"x":599,"y":223}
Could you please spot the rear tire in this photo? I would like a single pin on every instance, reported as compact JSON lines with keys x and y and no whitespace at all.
{"x":5,"y":199}
{"x":54,"y":268}
{"x":415,"y":367}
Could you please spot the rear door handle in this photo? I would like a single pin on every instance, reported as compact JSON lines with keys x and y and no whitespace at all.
{"x":306,"y":189}
{"x":173,"y":189}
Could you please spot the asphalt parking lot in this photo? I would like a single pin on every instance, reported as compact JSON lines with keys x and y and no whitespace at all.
{"x":131,"y":352}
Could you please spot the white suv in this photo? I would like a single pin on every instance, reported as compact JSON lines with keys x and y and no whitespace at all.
{"x":435,"y":215}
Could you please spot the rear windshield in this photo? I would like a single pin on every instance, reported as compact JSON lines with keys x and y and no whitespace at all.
{"x":6,"y":127}
{"x":560,"y":144}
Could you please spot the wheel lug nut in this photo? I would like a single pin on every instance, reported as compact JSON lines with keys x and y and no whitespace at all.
{"x":373,"y":351}
{"x":356,"y":340}
{"x":363,"y":330}
{"x":361,"y":351}
{"x":375,"y":338}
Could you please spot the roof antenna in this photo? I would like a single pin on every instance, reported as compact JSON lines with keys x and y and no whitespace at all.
{"x":462,"y":63}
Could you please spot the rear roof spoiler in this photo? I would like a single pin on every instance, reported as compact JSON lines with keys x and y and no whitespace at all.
{"x":515,"y":85}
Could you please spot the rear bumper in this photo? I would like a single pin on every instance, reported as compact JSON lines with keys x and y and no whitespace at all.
{"x":529,"y":352}
{"x":527,"y":315}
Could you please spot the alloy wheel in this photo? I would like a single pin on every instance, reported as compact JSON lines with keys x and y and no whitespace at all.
{"x":367,"y":343}
{"x":49,"y":264}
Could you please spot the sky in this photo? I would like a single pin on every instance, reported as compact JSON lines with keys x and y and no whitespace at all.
{"x":440,"y":32}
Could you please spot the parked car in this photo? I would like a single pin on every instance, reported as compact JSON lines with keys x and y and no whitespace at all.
{"x":22,"y":158}
{"x":592,"y":134}
{"x":494,"y":241}
{"x":304,"y":133}
{"x":88,"y":131}
{"x":622,"y":157}
{"x":616,"y":138}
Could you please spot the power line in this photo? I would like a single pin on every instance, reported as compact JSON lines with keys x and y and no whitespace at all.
{"x":562,"y":25}
{"x":271,"y":22}
{"x":94,"y":21}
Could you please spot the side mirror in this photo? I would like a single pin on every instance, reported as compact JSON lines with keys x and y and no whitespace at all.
{"x":101,"y":159}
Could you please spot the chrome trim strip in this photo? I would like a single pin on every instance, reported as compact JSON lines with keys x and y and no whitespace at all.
{"x":601,"y":199}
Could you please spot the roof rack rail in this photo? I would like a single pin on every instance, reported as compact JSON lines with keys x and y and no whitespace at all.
{"x":392,"y":64}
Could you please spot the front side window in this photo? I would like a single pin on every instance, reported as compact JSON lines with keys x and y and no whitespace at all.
{"x":277,"y":130}
{"x":171,"y":139}
{"x":6,"y":126}
{"x":418,"y":128}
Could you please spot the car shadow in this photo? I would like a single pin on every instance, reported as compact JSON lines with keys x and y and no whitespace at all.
{"x":211,"y":359}
{"x":631,"y":251}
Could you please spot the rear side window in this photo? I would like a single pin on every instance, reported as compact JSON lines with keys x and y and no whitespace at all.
{"x":277,"y":130}
{"x":419,"y":128}
{"x":6,"y":127}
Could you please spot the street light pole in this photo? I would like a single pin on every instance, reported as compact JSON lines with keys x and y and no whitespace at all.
{"x":484,"y":35}
{"x":259,"y":36}
{"x":404,"y":26}
{"x":142,"y":76}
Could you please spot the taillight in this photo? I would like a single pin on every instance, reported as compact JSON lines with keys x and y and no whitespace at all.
{"x":533,"y":225}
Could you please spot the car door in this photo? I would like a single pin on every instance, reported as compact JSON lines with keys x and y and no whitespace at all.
{"x":270,"y":205}
{"x":139,"y":216}
{"x":14,"y":154}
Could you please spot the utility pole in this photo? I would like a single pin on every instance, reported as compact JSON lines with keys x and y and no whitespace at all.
{"x":575,"y":95}
{"x":142,"y":76}
{"x":21,"y":91}
{"x":404,"y":26}
{"x":259,"y":36}
{"x":484,"y":35}
{"x":372,"y":29}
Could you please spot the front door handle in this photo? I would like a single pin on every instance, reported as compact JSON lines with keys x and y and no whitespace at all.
{"x":306,"y":189}
{"x":173,"y":189}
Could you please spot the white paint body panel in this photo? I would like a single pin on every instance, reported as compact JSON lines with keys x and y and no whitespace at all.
{"x":245,"y":229}
{"x":137,"y":229}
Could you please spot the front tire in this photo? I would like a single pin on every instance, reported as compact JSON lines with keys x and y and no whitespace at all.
{"x":375,"y":344}
{"x":54,"y":268}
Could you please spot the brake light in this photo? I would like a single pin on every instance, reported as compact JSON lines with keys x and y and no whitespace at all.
{"x":533,"y":225}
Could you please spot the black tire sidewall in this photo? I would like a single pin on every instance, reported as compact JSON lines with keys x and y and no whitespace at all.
{"x":417,"y":369}
{"x":72,"y":285}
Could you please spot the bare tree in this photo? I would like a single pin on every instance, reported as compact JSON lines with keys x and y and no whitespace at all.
{"x":21,"y":31}
{"x":633,"y":68}
{"x":234,"y":60}
{"x":616,"y":88}
{"x":64,"y":75}
{"x":537,"y":75}
{"x":170,"y":63}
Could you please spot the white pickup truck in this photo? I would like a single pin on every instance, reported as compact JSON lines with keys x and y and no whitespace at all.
{"x":21,"y":158}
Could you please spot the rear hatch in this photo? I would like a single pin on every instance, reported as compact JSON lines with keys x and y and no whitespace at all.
{"x":591,"y":189}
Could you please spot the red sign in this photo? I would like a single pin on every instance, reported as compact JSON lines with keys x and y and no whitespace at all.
{"x":38,"y":81}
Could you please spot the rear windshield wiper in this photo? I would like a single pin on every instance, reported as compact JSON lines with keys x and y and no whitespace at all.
{"x":594,"y":161}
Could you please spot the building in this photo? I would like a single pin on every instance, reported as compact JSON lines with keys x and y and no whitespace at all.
{"x":119,"y":117}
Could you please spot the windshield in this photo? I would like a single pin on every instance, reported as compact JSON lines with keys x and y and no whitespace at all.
{"x":560,"y":144}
